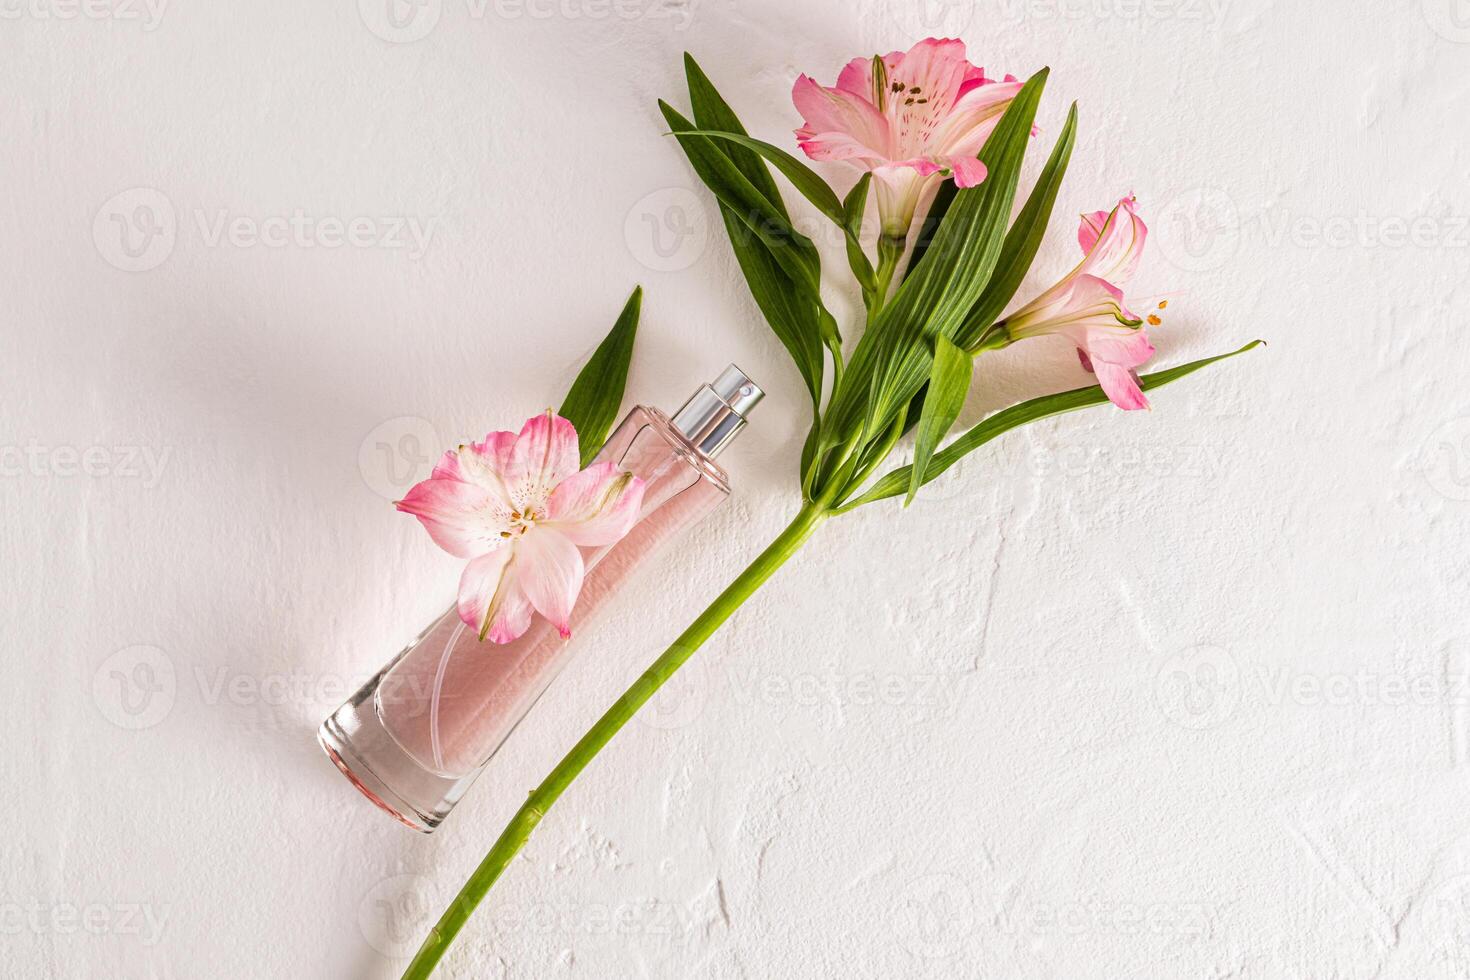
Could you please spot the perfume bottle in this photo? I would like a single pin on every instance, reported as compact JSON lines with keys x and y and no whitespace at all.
{"x":417,"y":734}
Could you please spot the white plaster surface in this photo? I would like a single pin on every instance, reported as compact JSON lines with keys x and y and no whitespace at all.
{"x":1171,"y":694}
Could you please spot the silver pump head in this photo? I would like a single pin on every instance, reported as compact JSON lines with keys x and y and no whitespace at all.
{"x":717,"y":411}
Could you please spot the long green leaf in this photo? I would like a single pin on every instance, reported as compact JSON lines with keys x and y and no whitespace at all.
{"x":815,"y":190}
{"x":949,"y":383}
{"x":853,"y":207}
{"x":596,"y":396}
{"x":893,"y":358}
{"x":1023,"y":240}
{"x":802,"y":177}
{"x":760,"y":218}
{"x":929,"y":227}
{"x":787,"y":308}
{"x":894,"y":483}
{"x":711,"y":111}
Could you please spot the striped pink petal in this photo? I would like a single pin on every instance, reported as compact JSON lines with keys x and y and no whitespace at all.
{"x":464,"y":519}
{"x":598,"y":506}
{"x":490,"y":598}
{"x":549,"y":570}
{"x":545,"y":454}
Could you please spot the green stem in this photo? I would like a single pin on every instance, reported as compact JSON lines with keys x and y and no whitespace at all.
{"x":890,"y":250}
{"x":515,"y":835}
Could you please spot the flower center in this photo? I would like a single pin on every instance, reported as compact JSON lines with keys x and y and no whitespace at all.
{"x":522,"y":521}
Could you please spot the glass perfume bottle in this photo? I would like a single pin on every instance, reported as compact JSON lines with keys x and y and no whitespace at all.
{"x":417,"y":734}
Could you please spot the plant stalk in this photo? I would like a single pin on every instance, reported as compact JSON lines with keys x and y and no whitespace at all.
{"x":518,"y":831}
{"x":890,"y":250}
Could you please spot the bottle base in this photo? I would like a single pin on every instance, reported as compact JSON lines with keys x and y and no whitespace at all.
{"x":362,"y":750}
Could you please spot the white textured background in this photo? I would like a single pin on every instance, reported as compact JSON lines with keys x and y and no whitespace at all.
{"x":1178,"y":694}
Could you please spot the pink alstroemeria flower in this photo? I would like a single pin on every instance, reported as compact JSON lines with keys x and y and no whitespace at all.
{"x":912,"y":119}
{"x":518,"y":508}
{"x":1087,"y":305}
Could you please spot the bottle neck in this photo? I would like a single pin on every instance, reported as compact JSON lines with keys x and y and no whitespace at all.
{"x":715,"y":414}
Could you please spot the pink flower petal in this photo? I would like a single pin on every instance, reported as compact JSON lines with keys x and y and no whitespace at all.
{"x":484,"y":462}
{"x":937,"y":68}
{"x":1116,"y":247}
{"x":973,"y":118}
{"x":1072,"y":307}
{"x":838,"y":125}
{"x":1120,"y":385}
{"x":1091,"y":227}
{"x":597,"y":507}
{"x":1114,"y":354}
{"x":968,"y":171}
{"x":1124,"y":347}
{"x":857,"y":75}
{"x":898,"y":188}
{"x":545,"y":454}
{"x":464,"y":519}
{"x":974,"y":78}
{"x":549,"y":569}
{"x":490,"y":598}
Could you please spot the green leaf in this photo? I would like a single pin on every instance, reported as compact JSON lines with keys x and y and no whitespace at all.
{"x":949,"y":383}
{"x":711,"y":111}
{"x":761,"y":219}
{"x":596,"y":396}
{"x":789,"y":310}
{"x":853,"y":207}
{"x":929,"y":227}
{"x":894,"y":355}
{"x":802,"y":177}
{"x":815,"y":190}
{"x":894,"y":483}
{"x":1023,"y":240}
